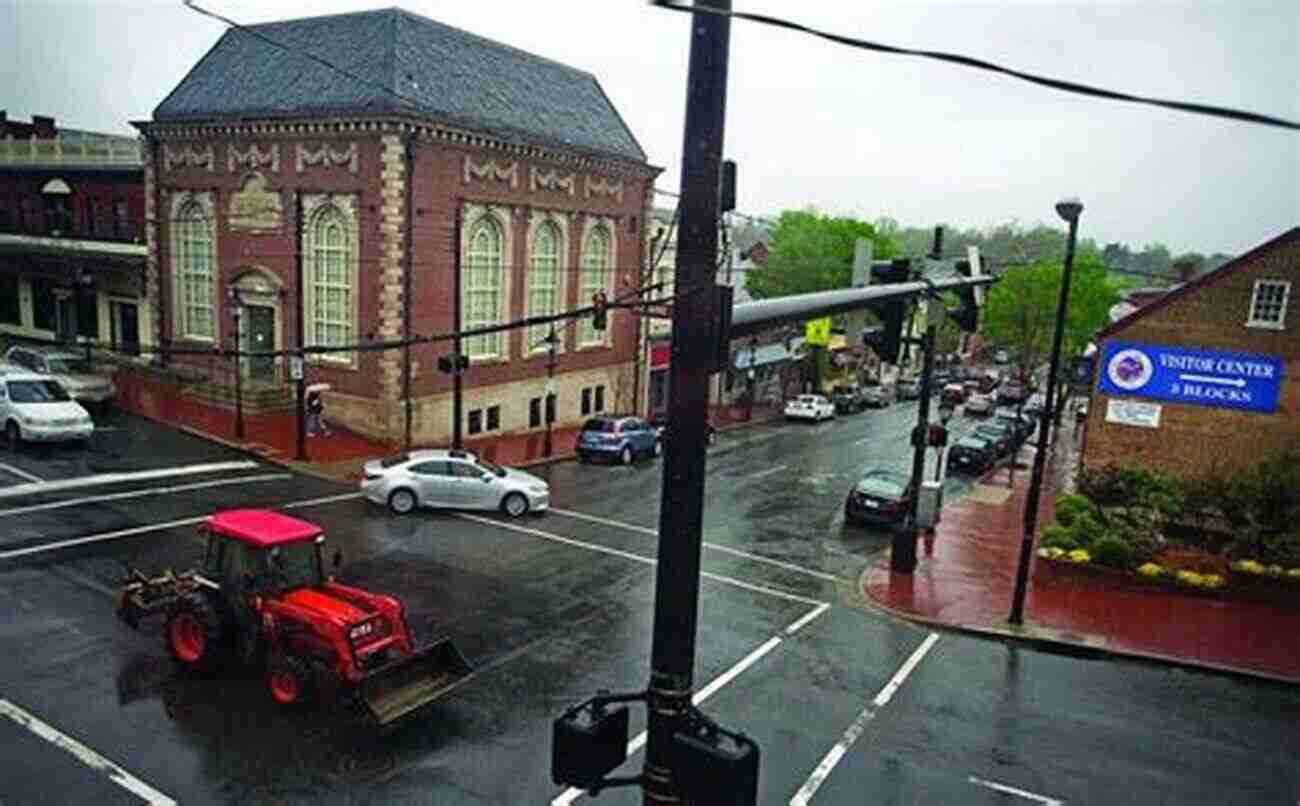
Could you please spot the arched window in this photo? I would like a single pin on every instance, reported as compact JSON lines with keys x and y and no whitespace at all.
{"x":330,"y":315}
{"x":543,"y":280}
{"x":482,"y":287}
{"x":194,"y":273}
{"x":595,"y":277}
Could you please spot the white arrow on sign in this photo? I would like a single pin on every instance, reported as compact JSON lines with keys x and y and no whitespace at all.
{"x":1237,"y":382}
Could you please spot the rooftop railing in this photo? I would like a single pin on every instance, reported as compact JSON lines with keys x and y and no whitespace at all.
{"x":61,"y":152}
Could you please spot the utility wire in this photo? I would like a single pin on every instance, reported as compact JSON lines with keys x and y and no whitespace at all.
{"x":980,"y":64}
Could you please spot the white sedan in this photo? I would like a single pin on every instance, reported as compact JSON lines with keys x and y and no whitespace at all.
{"x":810,"y":407}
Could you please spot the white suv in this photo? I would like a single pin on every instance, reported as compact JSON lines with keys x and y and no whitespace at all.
{"x":73,"y":372}
{"x":36,"y":408}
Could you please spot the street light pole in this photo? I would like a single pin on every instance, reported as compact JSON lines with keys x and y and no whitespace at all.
{"x":236,"y":311}
{"x":681,"y":512}
{"x":547,"y":408}
{"x":1069,"y":210}
{"x":300,"y":329}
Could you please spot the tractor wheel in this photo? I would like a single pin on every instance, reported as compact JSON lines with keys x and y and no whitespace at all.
{"x":197,"y":633}
{"x":288,"y":680}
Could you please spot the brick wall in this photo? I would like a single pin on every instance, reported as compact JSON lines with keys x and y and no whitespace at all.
{"x":1192,"y":440}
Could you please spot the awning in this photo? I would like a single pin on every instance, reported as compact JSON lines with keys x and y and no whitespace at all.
{"x":765,"y":354}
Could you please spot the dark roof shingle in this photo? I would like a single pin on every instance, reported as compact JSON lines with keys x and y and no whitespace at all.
{"x":402,"y":63}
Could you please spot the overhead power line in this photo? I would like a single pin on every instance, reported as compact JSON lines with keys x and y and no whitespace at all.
{"x":980,"y":64}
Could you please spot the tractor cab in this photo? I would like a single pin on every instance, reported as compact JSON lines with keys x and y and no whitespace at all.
{"x":264,"y":553}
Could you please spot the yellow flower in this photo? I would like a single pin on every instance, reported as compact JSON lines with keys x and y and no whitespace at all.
{"x":1248,"y":567}
{"x":1079,"y":556}
{"x":1274,"y":570}
{"x":1214,"y":581}
{"x":1293,"y":573}
{"x":1051,"y":552}
{"x":1190,"y":578}
{"x":1151,"y":570}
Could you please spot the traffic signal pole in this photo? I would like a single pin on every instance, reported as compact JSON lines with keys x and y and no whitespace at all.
{"x":681,"y":512}
{"x":457,"y":389}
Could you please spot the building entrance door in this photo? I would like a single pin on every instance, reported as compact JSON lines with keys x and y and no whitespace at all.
{"x":126,"y":327}
{"x":259,"y":334}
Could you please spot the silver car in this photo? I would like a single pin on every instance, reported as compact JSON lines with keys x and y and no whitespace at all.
{"x":452,"y":480}
{"x":73,"y":372}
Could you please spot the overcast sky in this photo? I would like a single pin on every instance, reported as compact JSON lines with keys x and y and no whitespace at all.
{"x":813,"y":123}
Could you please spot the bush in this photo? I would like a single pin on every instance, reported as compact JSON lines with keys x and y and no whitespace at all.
{"x":1059,"y":537}
{"x":1085,"y":529}
{"x":1070,"y":507}
{"x":1111,"y":551}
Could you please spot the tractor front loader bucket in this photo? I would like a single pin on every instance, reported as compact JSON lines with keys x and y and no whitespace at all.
{"x":399,"y":689}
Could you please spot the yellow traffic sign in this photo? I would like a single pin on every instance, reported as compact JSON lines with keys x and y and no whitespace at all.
{"x":817,"y":331}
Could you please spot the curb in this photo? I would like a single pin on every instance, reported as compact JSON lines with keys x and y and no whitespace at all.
{"x":1025,"y":635}
{"x":305,"y":468}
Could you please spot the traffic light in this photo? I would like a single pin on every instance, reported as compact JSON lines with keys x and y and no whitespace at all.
{"x":453,"y":363}
{"x":887,"y":340}
{"x":968,"y":315}
{"x":727,"y":187}
{"x":599,"y":313}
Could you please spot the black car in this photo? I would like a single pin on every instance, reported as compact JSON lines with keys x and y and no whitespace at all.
{"x":881,"y":497}
{"x":660,"y":423}
{"x":971,"y":455}
{"x":848,"y":400}
{"x":1022,"y":423}
{"x":1002,"y":436}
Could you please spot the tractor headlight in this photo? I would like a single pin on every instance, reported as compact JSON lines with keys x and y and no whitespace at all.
{"x":361,"y":631}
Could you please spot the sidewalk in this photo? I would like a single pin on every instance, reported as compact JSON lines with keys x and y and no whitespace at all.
{"x":273,"y":435}
{"x":966,"y":579}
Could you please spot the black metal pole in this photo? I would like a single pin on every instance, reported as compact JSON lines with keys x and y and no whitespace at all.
{"x":457,"y":390}
{"x":546,"y":399}
{"x":681,"y":511}
{"x":902,"y":558}
{"x":1017,"y":615}
{"x":406,"y":292}
{"x":239,"y":375}
{"x":300,"y":330}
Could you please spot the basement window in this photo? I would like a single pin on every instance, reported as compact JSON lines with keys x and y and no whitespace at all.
{"x":1268,"y":305}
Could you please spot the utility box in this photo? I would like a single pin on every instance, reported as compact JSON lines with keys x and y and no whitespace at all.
{"x":929,"y":504}
{"x":587,"y":744}
{"x":716,"y":767}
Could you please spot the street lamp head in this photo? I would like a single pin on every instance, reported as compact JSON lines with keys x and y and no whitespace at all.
{"x":1069,"y":209}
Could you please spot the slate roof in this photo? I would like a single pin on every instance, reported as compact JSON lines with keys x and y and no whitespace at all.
{"x":402,"y":63}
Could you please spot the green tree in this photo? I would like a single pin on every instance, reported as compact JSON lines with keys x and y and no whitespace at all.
{"x":812,"y":252}
{"x":1020,"y":311}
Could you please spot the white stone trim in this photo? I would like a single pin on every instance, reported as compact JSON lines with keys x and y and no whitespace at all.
{"x":561,"y":223}
{"x":188,"y":155}
{"x":327,"y":157}
{"x":600,"y":186}
{"x":589,"y":224}
{"x":487,"y":171}
{"x":552,"y":180}
{"x":252,"y":158}
{"x":471,"y":214}
{"x":314,"y":205}
{"x":207,"y":205}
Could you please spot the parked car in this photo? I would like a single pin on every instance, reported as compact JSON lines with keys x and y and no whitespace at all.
{"x":660,"y":423}
{"x":848,"y":399}
{"x":810,"y":407}
{"x":1023,"y":424}
{"x":36,"y":408}
{"x":971,"y":455}
{"x":910,"y":388}
{"x":953,"y":394}
{"x":73,"y":372}
{"x":1012,"y":393}
{"x":451,"y":479}
{"x":880,"y":395}
{"x":1002,"y":436}
{"x":621,"y":437}
{"x":880,"y":497}
{"x":979,"y":405}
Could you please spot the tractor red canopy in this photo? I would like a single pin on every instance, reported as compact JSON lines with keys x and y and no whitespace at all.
{"x":261,"y":527}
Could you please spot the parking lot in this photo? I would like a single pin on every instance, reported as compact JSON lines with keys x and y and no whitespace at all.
{"x":551,"y":608}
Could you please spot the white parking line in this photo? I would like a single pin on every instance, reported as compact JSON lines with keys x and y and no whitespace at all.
{"x":760,"y":474}
{"x":1011,"y":790}
{"x":119,"y":478}
{"x":627,"y":555}
{"x":22,"y":474}
{"x":855,"y":730}
{"x":4,"y":513}
{"x":758,"y":558}
{"x":154,"y":527}
{"x":85,"y":755}
{"x":571,"y":794}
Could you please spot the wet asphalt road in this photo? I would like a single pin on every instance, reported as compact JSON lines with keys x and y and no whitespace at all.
{"x":553,"y":608}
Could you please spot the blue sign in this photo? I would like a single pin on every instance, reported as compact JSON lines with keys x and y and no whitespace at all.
{"x":1183,"y":375}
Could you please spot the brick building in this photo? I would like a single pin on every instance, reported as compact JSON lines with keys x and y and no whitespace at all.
{"x":72,"y":255}
{"x":1228,"y":339}
{"x":436,"y":135}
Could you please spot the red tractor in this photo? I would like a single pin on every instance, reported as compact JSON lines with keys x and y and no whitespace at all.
{"x":262,"y":593}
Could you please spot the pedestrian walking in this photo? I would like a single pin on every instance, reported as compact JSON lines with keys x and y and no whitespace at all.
{"x":315,"y":404}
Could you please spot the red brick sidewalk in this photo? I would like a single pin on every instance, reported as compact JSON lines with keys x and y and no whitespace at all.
{"x":967,"y":578}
